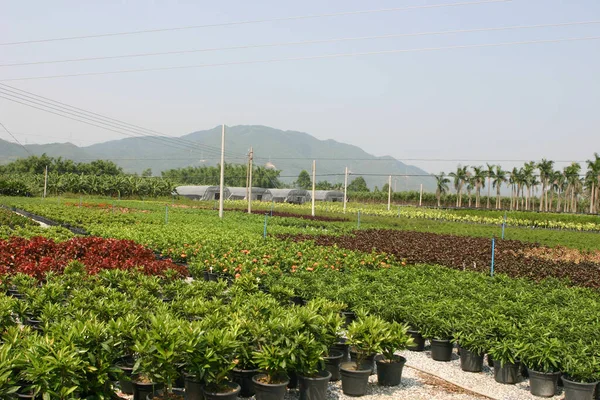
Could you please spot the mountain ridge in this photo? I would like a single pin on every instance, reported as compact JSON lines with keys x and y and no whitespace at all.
{"x":289,"y":150}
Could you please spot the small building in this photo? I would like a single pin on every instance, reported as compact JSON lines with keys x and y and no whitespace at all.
{"x":240,"y":193}
{"x":294,"y":196}
{"x":329,"y":195}
{"x":202,"y":192}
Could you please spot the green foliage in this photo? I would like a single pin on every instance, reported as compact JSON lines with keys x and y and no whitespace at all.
{"x":8,"y":378}
{"x":366,"y":334}
{"x":304,"y":181}
{"x":235,"y":175}
{"x":159,"y":349}
{"x":358,"y":184}
{"x":396,"y":339}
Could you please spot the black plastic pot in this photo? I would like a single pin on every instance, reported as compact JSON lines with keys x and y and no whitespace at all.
{"x":243,"y":377}
{"x":418,"y":339}
{"x":367,"y":362}
{"x":354,"y":382}
{"x":332,"y":364}
{"x":578,"y":390}
{"x":314,"y":388}
{"x":297,"y":300}
{"x":293,"y":383}
{"x":343,"y":347}
{"x":349,"y":317}
{"x":194,"y":389}
{"x":469,"y":361}
{"x":159,"y":393}
{"x":441,"y":350}
{"x":490,"y":361}
{"x":543,"y":384}
{"x":507,"y":373}
{"x":125,"y":382}
{"x":389,"y":373}
{"x":141,"y":390}
{"x":229,"y":395}
{"x":265,"y":391}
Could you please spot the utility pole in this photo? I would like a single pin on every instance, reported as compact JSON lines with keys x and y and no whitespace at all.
{"x":250,"y":182}
{"x":345,"y":188}
{"x":45,"y":181}
{"x":421,"y":196}
{"x":314,"y":173}
{"x":389,"y":192}
{"x":222,"y":171}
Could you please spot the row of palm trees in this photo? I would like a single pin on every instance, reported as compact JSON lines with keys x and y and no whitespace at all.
{"x":568,"y":186}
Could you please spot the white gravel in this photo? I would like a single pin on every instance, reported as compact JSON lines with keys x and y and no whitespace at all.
{"x":482,"y":382}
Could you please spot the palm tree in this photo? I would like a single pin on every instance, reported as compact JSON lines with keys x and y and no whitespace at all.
{"x":460,"y":177}
{"x":479,"y":180}
{"x":489,"y":174}
{"x":573,"y":186}
{"x":470,"y":186}
{"x":546,"y":168}
{"x":514,"y":194}
{"x":499,"y":179}
{"x":528,"y":180}
{"x":441,"y":186}
{"x":594,"y":179}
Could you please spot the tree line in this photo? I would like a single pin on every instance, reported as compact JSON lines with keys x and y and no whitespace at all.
{"x":558,"y":190}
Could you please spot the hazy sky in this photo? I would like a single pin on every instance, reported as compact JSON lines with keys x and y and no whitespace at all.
{"x":514,"y":102}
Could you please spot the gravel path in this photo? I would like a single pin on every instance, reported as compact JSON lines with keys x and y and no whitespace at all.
{"x":482,"y":382}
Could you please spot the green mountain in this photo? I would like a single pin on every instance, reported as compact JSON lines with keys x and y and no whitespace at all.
{"x":288,"y":151}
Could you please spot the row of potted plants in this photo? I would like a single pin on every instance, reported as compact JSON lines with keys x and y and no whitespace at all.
{"x":159,"y":333}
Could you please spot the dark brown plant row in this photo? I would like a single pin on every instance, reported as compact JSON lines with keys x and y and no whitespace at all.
{"x":512,"y":257}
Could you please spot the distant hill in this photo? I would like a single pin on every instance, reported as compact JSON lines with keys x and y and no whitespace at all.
{"x":289,"y":151}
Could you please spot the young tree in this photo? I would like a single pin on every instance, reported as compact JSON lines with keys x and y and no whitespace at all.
{"x":147,"y":172}
{"x":304,"y":181}
{"x":358,"y":185}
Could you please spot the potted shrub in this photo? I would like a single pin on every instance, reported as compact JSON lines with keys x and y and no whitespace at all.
{"x":506,"y":366}
{"x":122,"y":330}
{"x":159,"y":349}
{"x":390,"y":365}
{"x":365,"y":336}
{"x":276,"y":355}
{"x":330,"y":337}
{"x":541,"y":355}
{"x":438,"y":326}
{"x":581,"y":372}
{"x":219,"y":360}
{"x":313,"y":378}
{"x":473,"y":342}
{"x":249,"y":334}
{"x":53,"y":368}
{"x":274,"y":360}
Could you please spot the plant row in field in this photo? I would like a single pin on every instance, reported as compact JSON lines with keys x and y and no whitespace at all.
{"x":515,"y":219}
{"x":83,"y":332}
{"x":39,"y":255}
{"x":513,"y":258}
{"x":105,"y":323}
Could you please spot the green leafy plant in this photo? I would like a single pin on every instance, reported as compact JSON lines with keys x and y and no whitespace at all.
{"x":365,"y":335}
{"x":582,"y":362}
{"x":541,"y":353}
{"x":8,"y":379}
{"x":396,"y":339}
{"x":160,"y":350}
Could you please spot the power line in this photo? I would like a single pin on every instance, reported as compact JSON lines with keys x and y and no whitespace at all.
{"x":256,"y":21}
{"x":404,"y":159}
{"x":307,"y":42}
{"x":325,"y":56}
{"x":13,"y":136}
{"x":136,"y":129}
